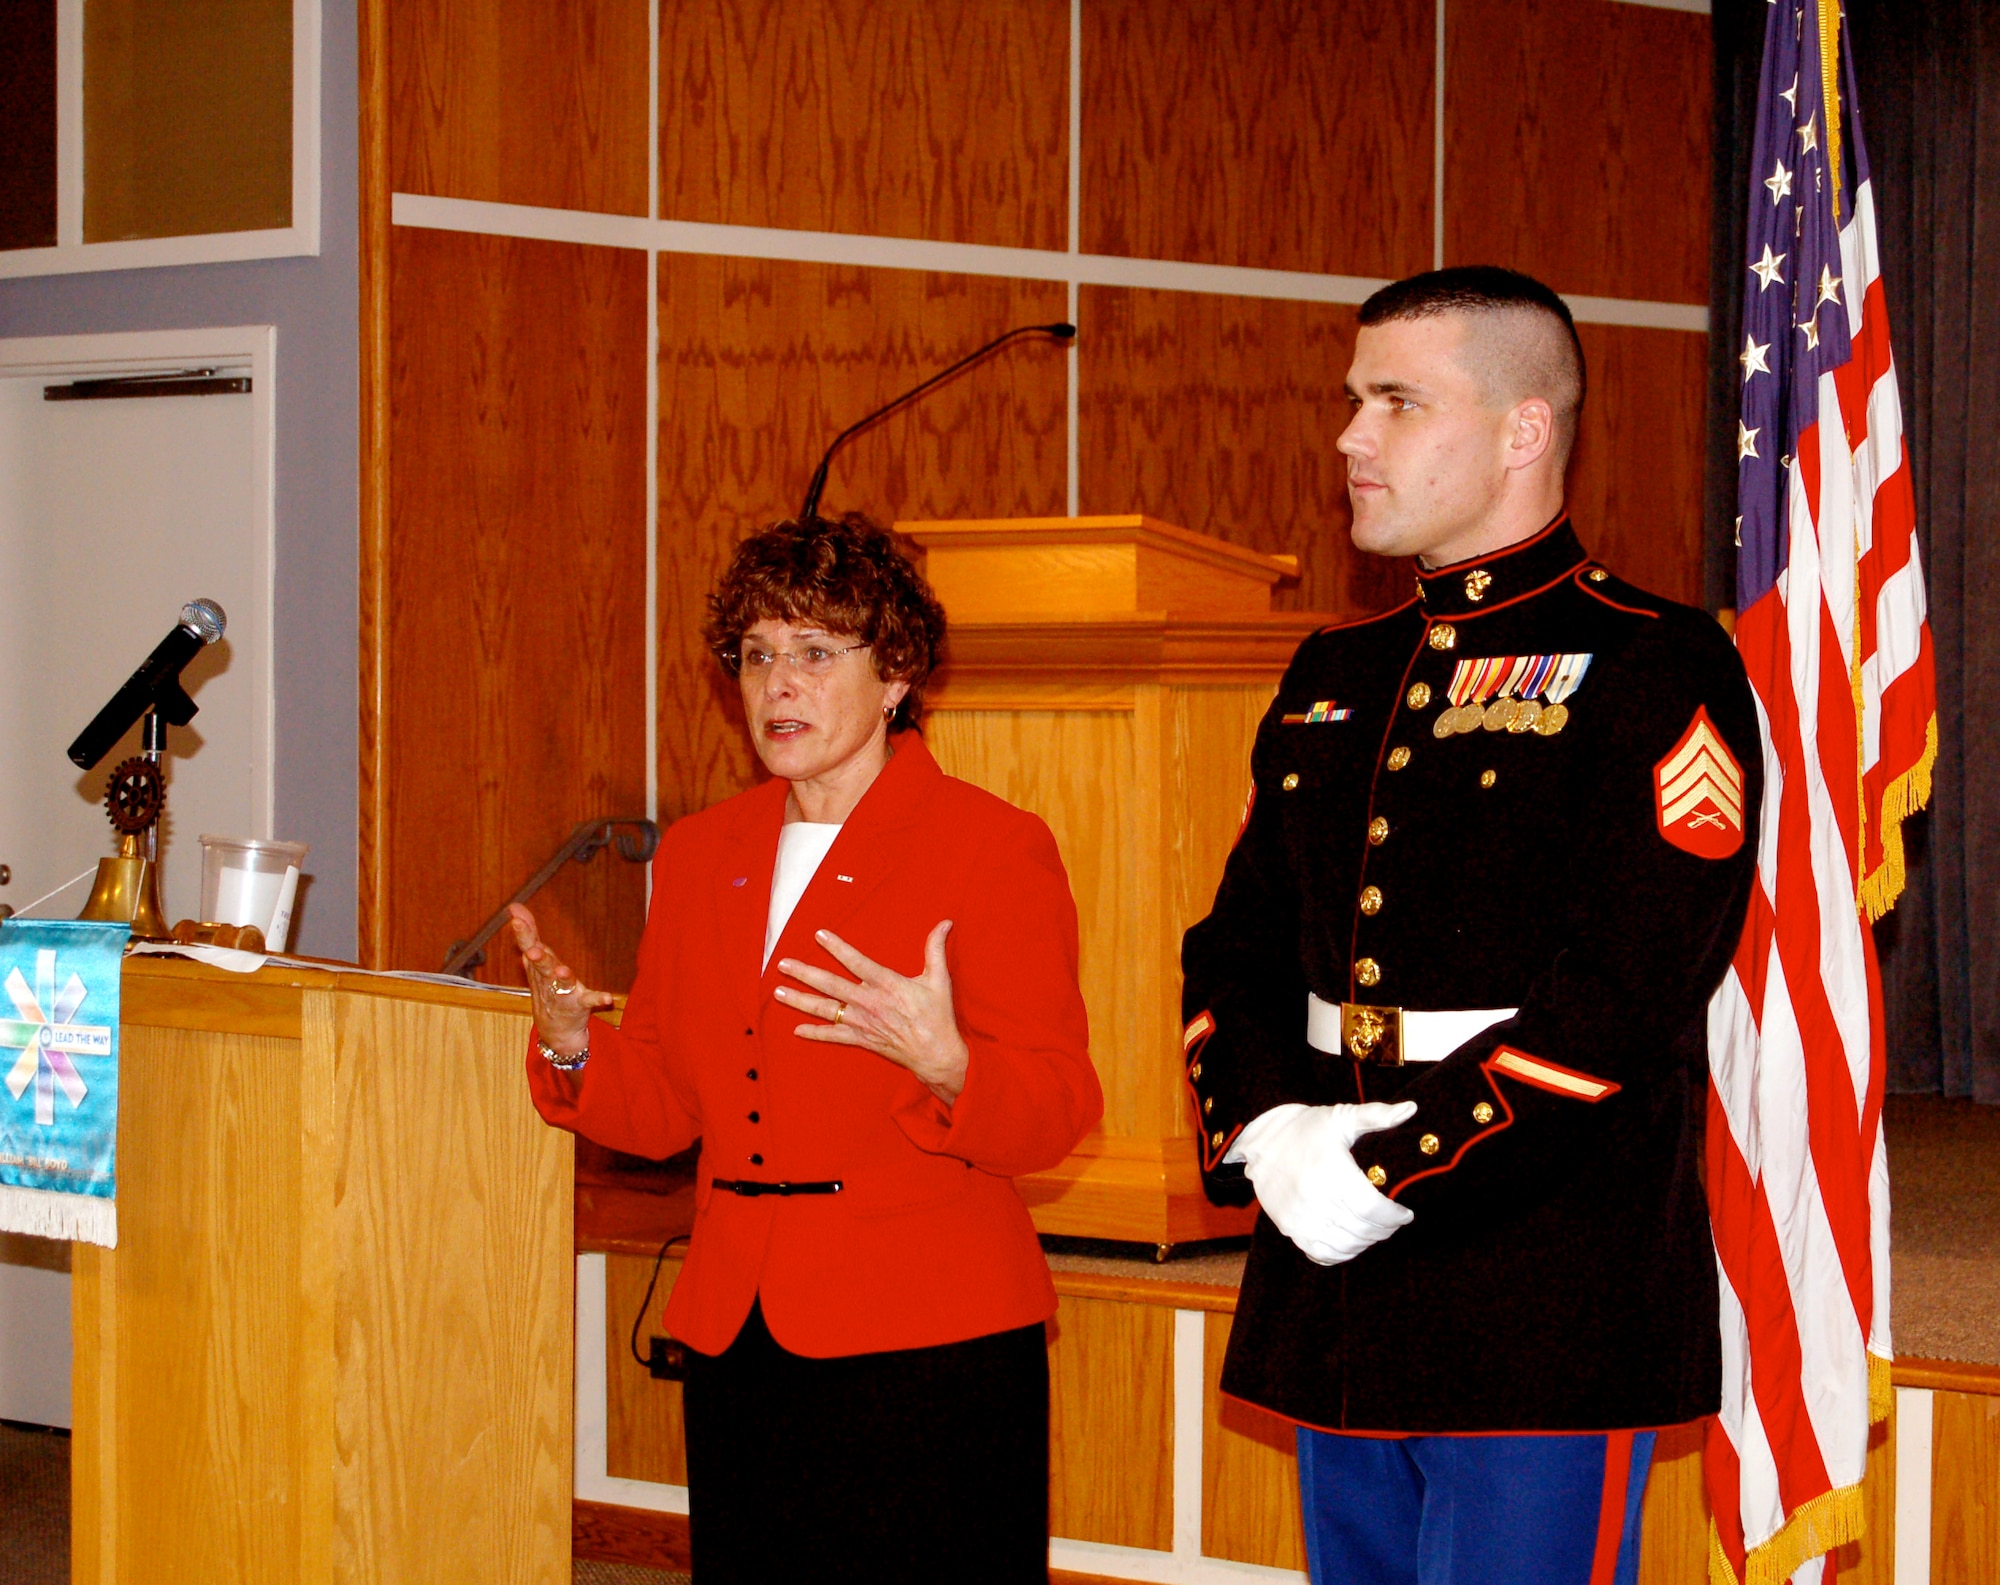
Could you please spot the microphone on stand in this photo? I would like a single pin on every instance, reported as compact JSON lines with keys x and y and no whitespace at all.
{"x":155,"y":685}
{"x":1060,"y":332}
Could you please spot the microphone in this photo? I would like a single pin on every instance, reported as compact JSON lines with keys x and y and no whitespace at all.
{"x":156,"y":685}
{"x":1059,"y":332}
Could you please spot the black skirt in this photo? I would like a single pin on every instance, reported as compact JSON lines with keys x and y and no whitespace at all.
{"x":918,"y":1464}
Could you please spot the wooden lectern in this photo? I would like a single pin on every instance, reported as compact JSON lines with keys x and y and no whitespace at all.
{"x":335,"y":1341}
{"x":1109,"y":674}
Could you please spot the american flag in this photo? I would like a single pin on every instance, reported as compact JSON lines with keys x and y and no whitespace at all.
{"x":1831,"y":627}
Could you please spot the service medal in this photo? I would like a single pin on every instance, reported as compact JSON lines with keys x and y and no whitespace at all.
{"x":1499,"y":714}
{"x":1553,"y":720}
{"x":1445,"y":724}
{"x":1526,"y":717}
{"x":1467,"y":717}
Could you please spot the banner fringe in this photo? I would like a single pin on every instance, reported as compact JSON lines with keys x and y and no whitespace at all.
{"x":45,"y":1213}
{"x":1881,"y":1391}
{"x":1720,"y":1571}
{"x":1902,"y":798}
{"x":1831,"y":1519}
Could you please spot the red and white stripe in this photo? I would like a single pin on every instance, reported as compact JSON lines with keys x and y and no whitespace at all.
{"x":1839,"y":655}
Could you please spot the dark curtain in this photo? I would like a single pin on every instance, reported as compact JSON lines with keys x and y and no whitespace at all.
{"x":1929,"y":79}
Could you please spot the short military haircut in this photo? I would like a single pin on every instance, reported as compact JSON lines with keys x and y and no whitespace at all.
{"x":1520,"y":338}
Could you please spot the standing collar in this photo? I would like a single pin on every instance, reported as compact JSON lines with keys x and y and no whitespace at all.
{"x":1468,"y":588}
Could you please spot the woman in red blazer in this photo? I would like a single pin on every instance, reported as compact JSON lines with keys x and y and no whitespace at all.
{"x":858,"y":989}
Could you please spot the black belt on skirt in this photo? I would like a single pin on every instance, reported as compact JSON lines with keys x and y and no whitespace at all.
{"x":750,"y":1188}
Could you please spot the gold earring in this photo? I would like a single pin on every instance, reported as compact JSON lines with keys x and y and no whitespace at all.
{"x":888,"y":712}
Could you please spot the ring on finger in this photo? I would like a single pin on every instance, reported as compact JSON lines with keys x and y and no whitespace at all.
{"x":839,"y":1011}
{"x":566,"y":990}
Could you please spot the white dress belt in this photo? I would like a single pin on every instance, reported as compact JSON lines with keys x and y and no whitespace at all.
{"x":1427,"y":1037}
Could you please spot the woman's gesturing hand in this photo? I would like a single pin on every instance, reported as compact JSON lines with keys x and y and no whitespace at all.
{"x":563,"y":1004}
{"x":909,"y":1021}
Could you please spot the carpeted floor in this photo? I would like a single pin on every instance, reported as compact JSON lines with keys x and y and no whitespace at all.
{"x":621,"y":1574}
{"x":1944,"y":1220}
{"x":34,"y":1522}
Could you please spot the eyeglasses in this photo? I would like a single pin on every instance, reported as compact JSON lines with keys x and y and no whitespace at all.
{"x":815,"y":660}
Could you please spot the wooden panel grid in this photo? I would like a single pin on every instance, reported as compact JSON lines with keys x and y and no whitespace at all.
{"x":1287,"y":134}
{"x":1111,"y":1432}
{"x":1635,"y":481}
{"x":522,"y":104}
{"x":1249,"y":1474}
{"x":514,"y":690}
{"x":1577,"y":145}
{"x":761,"y":365}
{"x":1220,"y":414}
{"x":1965,"y":1487}
{"x":945,"y":119}
{"x":645,"y":1428}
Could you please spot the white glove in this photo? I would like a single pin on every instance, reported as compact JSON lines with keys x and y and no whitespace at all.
{"x":1300,"y":1159}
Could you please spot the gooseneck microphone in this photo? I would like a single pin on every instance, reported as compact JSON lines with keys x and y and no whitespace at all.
{"x":1059,"y":332}
{"x":156,"y":685}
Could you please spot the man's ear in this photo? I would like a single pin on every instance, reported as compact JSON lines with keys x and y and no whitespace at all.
{"x":1531,"y":432}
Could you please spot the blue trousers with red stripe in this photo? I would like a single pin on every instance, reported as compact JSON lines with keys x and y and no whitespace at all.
{"x":1452,"y":1510}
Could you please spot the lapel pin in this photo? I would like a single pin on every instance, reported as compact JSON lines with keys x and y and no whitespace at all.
{"x":740,"y":880}
{"x":848,"y":878}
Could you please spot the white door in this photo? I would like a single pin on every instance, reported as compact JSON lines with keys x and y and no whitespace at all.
{"x":113,"y":514}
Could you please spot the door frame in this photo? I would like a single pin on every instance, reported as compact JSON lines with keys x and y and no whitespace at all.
{"x":234,"y":349}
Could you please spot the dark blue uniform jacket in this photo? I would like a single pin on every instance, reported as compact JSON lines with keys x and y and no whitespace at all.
{"x":1559,"y":1274}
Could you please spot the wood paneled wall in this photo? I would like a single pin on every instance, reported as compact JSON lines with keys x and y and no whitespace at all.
{"x":946,"y":119}
{"x":514,"y":639}
{"x":1278,"y":134}
{"x":761,"y":363}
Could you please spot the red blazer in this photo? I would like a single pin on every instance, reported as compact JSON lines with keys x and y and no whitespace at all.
{"x":928,"y":1242}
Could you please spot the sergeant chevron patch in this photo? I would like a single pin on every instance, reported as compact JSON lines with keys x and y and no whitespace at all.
{"x":1698,"y":793}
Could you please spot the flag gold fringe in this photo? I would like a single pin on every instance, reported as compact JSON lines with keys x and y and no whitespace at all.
{"x":1904,"y":796}
{"x":1881,"y":1391}
{"x":1831,"y":1519}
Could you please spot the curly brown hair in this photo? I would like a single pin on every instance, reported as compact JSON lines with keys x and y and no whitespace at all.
{"x":848,"y":575}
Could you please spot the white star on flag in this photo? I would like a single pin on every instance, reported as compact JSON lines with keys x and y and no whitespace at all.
{"x":1809,"y":134}
{"x":1746,"y":441}
{"x":1769,"y":268}
{"x":1791,"y":94}
{"x":1752,"y":358}
{"x":1829,"y":287}
{"x":1780,"y":183}
{"x":1811,"y":329}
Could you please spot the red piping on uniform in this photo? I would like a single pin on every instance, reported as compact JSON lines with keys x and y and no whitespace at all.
{"x":1485,"y":1133}
{"x":1397,"y":1436}
{"x":1629,"y":610}
{"x":1487,"y":610}
{"x":1363,"y":621}
{"x":1611,"y":1513}
{"x":1504,"y":551}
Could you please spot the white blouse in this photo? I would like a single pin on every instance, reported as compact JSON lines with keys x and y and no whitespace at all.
{"x":802,"y":847}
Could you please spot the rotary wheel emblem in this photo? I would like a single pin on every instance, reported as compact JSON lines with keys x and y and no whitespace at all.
{"x":137,"y":794}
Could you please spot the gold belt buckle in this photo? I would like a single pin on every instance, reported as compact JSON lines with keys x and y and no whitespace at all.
{"x":1372,"y":1034}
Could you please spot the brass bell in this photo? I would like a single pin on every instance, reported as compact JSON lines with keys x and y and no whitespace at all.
{"x":128,"y":889}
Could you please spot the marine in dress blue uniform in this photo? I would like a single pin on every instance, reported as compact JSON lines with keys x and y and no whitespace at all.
{"x":1497,"y":857}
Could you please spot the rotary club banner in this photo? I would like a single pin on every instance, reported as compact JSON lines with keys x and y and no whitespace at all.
{"x":59,"y":1054}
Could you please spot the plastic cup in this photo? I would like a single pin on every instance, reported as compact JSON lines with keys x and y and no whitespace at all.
{"x":248,"y":881}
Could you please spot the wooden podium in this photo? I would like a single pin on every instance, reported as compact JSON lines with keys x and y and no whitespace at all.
{"x":1109,"y":674}
{"x":334,"y":1343}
